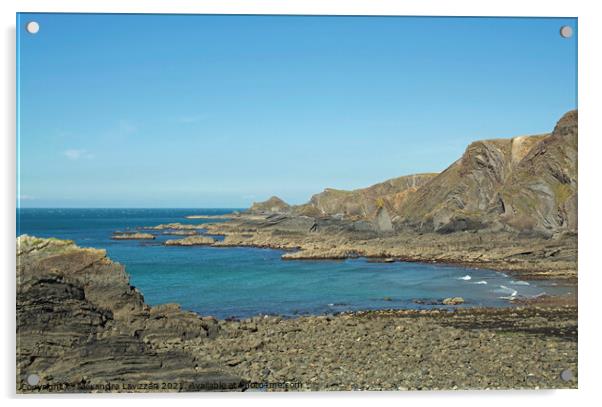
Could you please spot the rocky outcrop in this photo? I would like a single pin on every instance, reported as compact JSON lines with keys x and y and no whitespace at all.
{"x":530,"y":256}
{"x":382,"y":220}
{"x":272,"y":205}
{"x":191,"y":241}
{"x":453,"y":301}
{"x":174,"y":226}
{"x":526,"y":184}
{"x":541,"y":193}
{"x":81,"y":325}
{"x":132,"y":236}
{"x":364,"y":203}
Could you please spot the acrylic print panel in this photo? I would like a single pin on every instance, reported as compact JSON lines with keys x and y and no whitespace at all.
{"x":292,"y":203}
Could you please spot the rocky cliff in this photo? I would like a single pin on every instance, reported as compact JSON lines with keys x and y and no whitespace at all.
{"x":541,"y":192}
{"x":80,"y":325}
{"x":365,"y":202}
{"x":527,"y":184}
{"x":524,"y":184}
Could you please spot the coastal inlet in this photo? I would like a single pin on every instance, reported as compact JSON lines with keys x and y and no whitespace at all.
{"x":246,"y":281}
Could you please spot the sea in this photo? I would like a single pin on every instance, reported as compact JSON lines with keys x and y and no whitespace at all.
{"x":241,"y":282}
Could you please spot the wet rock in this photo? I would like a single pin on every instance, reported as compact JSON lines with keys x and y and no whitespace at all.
{"x":132,"y":236}
{"x":80,"y":323}
{"x":174,"y":226}
{"x":453,"y":301}
{"x":191,"y":241}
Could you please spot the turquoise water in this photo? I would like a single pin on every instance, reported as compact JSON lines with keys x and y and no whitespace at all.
{"x":242,"y":282}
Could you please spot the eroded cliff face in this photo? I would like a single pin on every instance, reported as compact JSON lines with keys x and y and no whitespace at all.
{"x":462,"y":195}
{"x":80,"y":323}
{"x":541,"y":193}
{"x":525,"y":184}
{"x":365,"y":202}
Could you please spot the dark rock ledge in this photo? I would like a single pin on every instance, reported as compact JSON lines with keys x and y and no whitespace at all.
{"x":80,"y":326}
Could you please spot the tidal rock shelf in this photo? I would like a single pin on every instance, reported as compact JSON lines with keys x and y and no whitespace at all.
{"x":191,"y":241}
{"x":132,"y":236}
{"x":305,"y":238}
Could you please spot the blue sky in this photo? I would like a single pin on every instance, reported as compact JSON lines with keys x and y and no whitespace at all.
{"x":221,"y":111}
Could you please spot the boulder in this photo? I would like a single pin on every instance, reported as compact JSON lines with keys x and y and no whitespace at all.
{"x":191,"y":241}
{"x":453,"y":301}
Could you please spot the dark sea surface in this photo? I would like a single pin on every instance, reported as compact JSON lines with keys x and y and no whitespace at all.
{"x":244,"y":282}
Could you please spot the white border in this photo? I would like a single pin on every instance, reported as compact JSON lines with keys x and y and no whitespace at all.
{"x":590,"y":149}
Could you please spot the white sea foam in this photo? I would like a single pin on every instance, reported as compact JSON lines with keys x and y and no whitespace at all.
{"x":465,"y":278}
{"x":480,"y":282}
{"x":519,"y":282}
{"x":508,"y":290}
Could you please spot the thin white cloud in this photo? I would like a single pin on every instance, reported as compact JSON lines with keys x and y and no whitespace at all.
{"x":76,"y":154}
{"x":26,"y":198}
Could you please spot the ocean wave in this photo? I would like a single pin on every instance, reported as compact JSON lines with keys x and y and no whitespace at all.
{"x":519,"y":282}
{"x":465,"y":278}
{"x":480,"y":282}
{"x":508,"y":290}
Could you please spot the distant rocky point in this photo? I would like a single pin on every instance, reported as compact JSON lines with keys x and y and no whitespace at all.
{"x":274,"y":204}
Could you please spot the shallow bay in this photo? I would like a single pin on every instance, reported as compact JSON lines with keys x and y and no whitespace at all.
{"x":243,"y":282}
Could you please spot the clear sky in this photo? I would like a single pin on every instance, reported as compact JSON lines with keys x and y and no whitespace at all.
{"x":221,"y":111}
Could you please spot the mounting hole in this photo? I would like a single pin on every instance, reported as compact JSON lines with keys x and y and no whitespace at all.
{"x":566,"y":31}
{"x":33,"y":379}
{"x":566,"y":375}
{"x":32,"y":27}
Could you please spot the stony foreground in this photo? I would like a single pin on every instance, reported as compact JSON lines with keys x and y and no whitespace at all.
{"x":82,"y":327}
{"x":397,"y":350}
